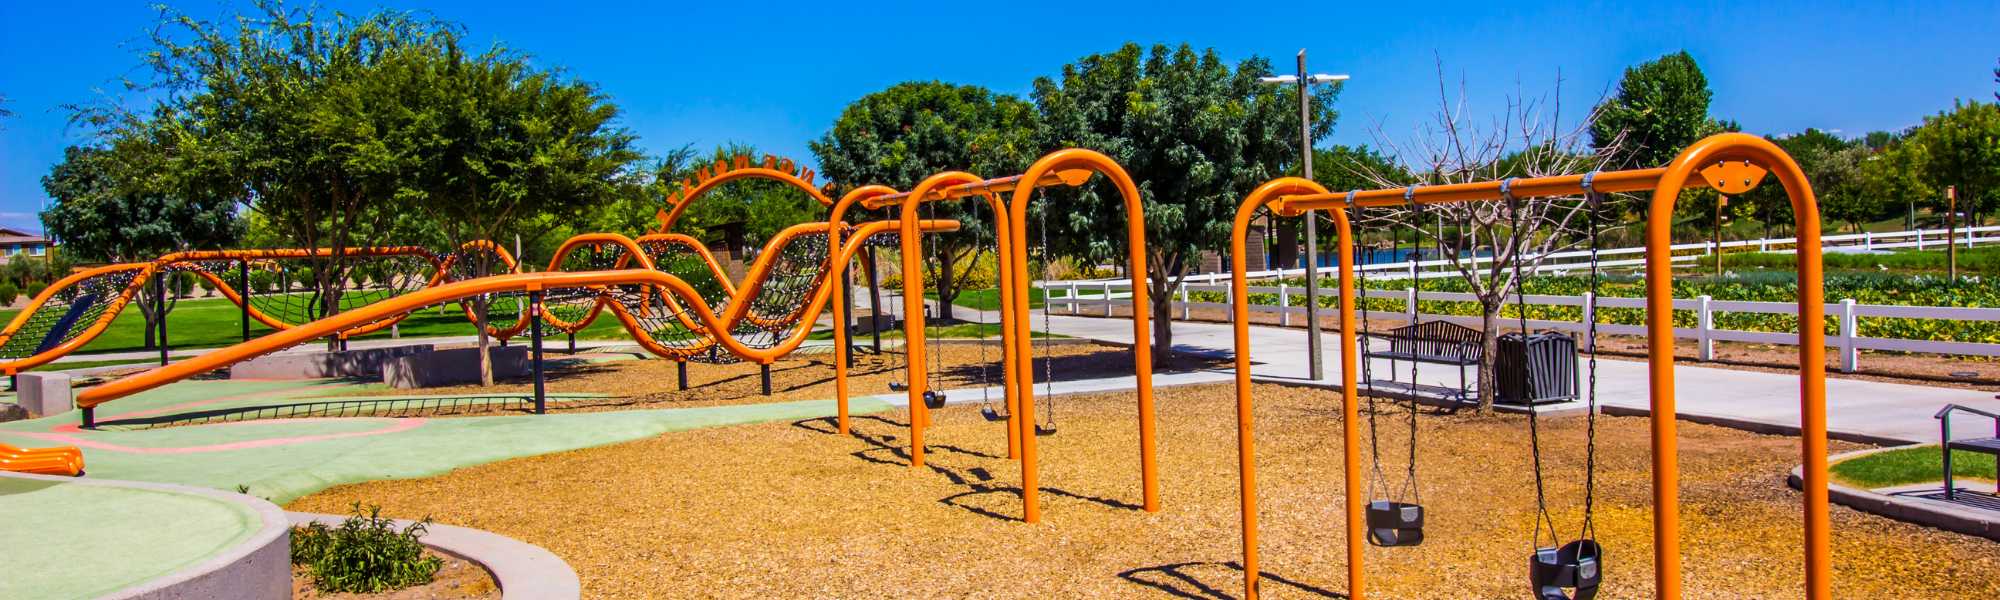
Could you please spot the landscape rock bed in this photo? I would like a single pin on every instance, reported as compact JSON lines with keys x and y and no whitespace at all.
{"x":790,"y":510}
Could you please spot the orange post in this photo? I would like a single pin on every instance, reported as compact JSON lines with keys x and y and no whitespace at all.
{"x":1246,"y":447}
{"x":913,"y":310}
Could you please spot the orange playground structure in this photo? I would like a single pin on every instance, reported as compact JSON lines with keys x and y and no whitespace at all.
{"x":1731,"y":163}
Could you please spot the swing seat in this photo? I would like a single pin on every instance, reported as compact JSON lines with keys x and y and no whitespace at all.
{"x":933,"y":399}
{"x":1577,"y":565}
{"x":896,"y":387}
{"x":1045,"y":430}
{"x":993,"y":415}
{"x":1393,"y":524}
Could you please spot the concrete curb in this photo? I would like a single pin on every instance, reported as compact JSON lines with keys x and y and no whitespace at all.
{"x":1922,"y":512}
{"x":524,"y":571}
{"x":260,"y":568}
{"x":1759,"y":426}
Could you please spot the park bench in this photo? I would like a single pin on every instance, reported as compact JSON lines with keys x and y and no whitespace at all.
{"x":1434,"y":342}
{"x":1986,"y":445}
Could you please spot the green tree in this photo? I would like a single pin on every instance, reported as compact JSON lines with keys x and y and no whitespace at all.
{"x":502,"y":149}
{"x":304,"y":115}
{"x":1768,"y":202}
{"x":1841,"y":185}
{"x":103,"y":208}
{"x":1659,"y":109}
{"x":1895,"y":175}
{"x":901,"y":135}
{"x":1962,"y":149}
{"x":1194,"y":133}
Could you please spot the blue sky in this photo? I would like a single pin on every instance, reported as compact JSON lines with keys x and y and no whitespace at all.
{"x":777,"y":75}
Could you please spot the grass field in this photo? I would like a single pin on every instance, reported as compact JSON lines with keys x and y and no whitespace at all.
{"x":982,"y":299}
{"x":968,"y":330}
{"x":1922,"y":464}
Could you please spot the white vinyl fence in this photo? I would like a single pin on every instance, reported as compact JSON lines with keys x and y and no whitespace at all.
{"x":1086,"y":296}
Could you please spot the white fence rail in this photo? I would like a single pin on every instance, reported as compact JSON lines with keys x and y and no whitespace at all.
{"x":1921,"y":239}
{"x":1104,"y":295}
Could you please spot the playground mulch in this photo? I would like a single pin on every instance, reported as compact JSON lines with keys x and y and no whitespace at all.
{"x":648,"y":384}
{"x":791,"y":510}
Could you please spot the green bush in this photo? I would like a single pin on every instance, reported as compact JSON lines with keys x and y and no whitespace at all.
{"x":207,"y":287}
{"x":261,"y":281}
{"x":8,"y":293}
{"x":1972,"y":260}
{"x":34,"y":288}
{"x":1923,"y":464}
{"x":182,"y":283}
{"x":365,"y":554}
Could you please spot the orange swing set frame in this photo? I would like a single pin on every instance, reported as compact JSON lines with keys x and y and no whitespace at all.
{"x":1731,"y":163}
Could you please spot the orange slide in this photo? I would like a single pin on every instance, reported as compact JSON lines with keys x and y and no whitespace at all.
{"x":65,"y":460}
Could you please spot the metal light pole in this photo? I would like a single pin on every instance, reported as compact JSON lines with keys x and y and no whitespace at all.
{"x":1318,"y":370}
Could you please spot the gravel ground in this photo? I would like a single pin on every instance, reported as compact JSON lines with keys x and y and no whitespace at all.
{"x":656,"y":383}
{"x":788,"y":510}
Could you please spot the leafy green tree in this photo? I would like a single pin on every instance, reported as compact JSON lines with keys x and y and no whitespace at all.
{"x":104,"y":208}
{"x":901,"y":135}
{"x":1194,"y":133}
{"x":1768,"y":202}
{"x":1895,"y":174}
{"x":305,"y":115}
{"x":1962,"y":148}
{"x":1839,"y":182}
{"x":503,"y":149}
{"x":1659,"y":109}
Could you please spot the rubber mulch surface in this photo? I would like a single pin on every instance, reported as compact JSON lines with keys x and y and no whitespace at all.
{"x":790,"y":510}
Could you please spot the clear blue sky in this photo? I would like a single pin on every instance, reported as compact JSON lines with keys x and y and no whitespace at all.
{"x":777,"y":75}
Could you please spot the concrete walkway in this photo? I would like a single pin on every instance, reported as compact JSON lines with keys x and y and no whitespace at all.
{"x":1856,"y":410}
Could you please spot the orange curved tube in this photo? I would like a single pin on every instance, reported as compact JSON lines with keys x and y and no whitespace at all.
{"x":1246,"y":447}
{"x":667,"y":223}
{"x":838,"y":265}
{"x":1071,"y":162}
{"x":1812,"y":355}
{"x":61,"y":460}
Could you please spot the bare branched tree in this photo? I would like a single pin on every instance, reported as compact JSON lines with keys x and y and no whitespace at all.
{"x":1526,"y":140}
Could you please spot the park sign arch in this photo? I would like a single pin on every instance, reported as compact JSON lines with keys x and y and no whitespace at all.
{"x":1731,"y":163}
{"x":774,"y":168}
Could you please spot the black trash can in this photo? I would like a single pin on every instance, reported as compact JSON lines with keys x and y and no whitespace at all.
{"x":1538,"y":368}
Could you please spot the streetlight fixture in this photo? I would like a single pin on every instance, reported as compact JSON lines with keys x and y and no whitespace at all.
{"x":1304,"y":81}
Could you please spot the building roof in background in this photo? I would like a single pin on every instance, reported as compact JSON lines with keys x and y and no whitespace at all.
{"x":16,"y":236}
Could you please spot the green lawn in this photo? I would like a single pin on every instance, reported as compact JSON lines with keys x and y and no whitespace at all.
{"x":85,"y":364}
{"x":986,"y":299}
{"x":1922,"y":464}
{"x":215,"y":323}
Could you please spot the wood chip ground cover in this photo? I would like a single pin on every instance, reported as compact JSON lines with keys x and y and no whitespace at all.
{"x":790,"y":510}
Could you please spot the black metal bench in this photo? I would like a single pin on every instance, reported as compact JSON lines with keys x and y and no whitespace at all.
{"x":1986,"y":445}
{"x":1434,"y":342}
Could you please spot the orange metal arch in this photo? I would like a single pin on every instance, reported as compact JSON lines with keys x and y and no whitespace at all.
{"x":688,"y":196}
{"x":1065,"y":164}
{"x":1812,"y":354}
{"x":1715,"y":154}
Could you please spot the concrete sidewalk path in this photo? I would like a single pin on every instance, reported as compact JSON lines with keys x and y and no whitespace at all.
{"x":1869,"y":410}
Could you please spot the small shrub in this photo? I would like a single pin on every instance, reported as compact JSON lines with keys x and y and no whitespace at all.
{"x":365,"y":554}
{"x":8,"y":293}
{"x":261,"y":281}
{"x":183,"y":283}
{"x":207,"y":287}
{"x":34,"y":289}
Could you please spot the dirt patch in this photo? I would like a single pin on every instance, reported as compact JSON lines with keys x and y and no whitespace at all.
{"x":656,"y":383}
{"x":459,"y":579}
{"x":790,"y":510}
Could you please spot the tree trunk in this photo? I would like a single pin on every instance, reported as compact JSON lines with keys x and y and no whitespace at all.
{"x":485,"y":342}
{"x":147,"y":313}
{"x":1159,"y":291}
{"x":947,"y":291}
{"x":1490,"y":321}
